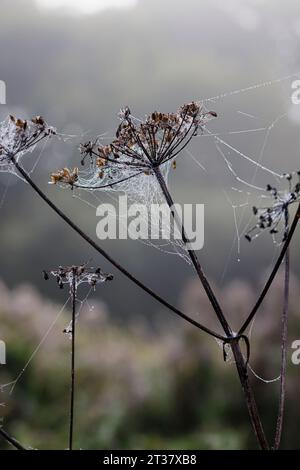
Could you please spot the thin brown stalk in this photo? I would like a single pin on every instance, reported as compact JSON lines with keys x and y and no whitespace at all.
{"x":11,"y":440}
{"x":209,"y":292}
{"x":284,"y":337}
{"x":72,"y":389}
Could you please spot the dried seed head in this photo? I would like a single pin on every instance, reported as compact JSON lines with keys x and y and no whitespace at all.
{"x":18,"y":137}
{"x":78,"y":275}
{"x":139,"y":147}
{"x":276,"y":217}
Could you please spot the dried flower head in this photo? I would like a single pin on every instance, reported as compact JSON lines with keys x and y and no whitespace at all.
{"x":18,"y":137}
{"x":275,"y":218}
{"x":80,"y":274}
{"x":140,"y":147}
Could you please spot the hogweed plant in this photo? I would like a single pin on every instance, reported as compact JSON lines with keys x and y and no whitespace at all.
{"x":73,"y":277}
{"x":145,"y":149}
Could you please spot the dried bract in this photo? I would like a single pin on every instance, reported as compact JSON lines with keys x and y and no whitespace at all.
{"x":65,"y":176}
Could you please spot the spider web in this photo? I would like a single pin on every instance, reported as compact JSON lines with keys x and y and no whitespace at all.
{"x":144,"y":189}
{"x":245,"y":189}
{"x":30,"y":158}
{"x":242,"y":196}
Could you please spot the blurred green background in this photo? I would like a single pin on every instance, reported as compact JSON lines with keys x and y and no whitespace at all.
{"x":145,"y":379}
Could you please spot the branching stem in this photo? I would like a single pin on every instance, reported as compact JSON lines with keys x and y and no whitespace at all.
{"x":241,"y":365}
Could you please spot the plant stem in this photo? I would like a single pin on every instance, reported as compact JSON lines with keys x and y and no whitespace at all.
{"x":72,"y":391}
{"x":284,"y":334}
{"x":273,"y":273}
{"x":249,"y":396}
{"x":11,"y":440}
{"x":209,"y":292}
{"x":108,"y":257}
{"x":239,"y":359}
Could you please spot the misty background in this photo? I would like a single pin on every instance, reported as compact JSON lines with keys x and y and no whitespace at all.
{"x":77,"y":70}
{"x":77,"y":63}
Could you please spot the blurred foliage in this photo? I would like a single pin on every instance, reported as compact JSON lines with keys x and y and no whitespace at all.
{"x":165,"y":389}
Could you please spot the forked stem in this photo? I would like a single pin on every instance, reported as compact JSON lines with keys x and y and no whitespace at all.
{"x":241,"y":365}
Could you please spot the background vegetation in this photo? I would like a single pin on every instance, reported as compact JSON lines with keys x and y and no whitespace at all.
{"x":164,"y":388}
{"x":145,"y":379}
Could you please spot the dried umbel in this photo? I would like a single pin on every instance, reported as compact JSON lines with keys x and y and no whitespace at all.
{"x":139,"y":147}
{"x":78,"y":275}
{"x":18,"y":137}
{"x":275,"y":218}
{"x":131,"y":162}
